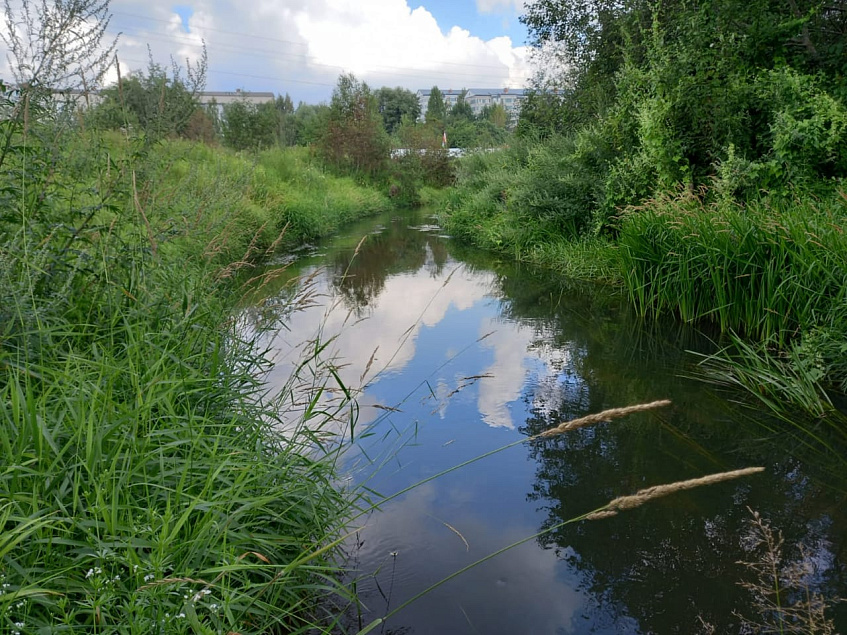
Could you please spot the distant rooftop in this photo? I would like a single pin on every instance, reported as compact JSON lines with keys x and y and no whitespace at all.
{"x":236,"y":93}
{"x":476,"y":91}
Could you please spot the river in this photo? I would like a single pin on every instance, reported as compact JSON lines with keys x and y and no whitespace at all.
{"x":458,"y":353}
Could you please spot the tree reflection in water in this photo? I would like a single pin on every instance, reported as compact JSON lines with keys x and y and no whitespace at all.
{"x":661,"y":568}
{"x":674,"y":562}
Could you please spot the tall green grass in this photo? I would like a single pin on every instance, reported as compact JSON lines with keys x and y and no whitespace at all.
{"x":147,"y":481}
{"x":768,"y":269}
{"x":774,"y":271}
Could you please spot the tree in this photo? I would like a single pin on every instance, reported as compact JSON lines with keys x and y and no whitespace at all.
{"x":462,"y":109}
{"x":436,"y":110}
{"x":496,"y":114}
{"x":286,"y":121}
{"x":159,"y":103}
{"x":310,"y":123}
{"x":394,"y":104}
{"x":354,"y":139}
{"x":249,"y":126}
{"x":51,"y":46}
{"x":201,"y":127}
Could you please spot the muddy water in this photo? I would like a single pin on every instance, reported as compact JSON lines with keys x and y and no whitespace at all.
{"x":457,"y":354}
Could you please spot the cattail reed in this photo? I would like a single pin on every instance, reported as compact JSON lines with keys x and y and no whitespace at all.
{"x":658,"y":491}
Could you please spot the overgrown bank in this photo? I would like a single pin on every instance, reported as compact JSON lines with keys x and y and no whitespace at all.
{"x":146,"y":484}
{"x":696,"y":161}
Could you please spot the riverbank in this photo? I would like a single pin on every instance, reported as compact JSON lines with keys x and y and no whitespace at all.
{"x":146,"y":484}
{"x":771,"y":272}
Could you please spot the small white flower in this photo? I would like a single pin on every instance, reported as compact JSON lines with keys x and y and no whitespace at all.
{"x":148,"y":577}
{"x":181,"y":616}
{"x":116,"y":578}
{"x":89,"y":574}
{"x":214,"y":607}
{"x":200,"y":595}
{"x":134,"y":568}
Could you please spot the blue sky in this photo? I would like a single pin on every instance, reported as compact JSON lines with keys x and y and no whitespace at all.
{"x":300,"y":47}
{"x":502,"y":20}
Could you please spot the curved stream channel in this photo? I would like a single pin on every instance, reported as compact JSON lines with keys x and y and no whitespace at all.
{"x":474,"y":353}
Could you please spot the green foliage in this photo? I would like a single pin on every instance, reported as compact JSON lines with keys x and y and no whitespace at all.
{"x":461,"y":110}
{"x":395,"y":105}
{"x":146,"y":470}
{"x":309,"y":123}
{"x":770,"y":269}
{"x":807,"y":127}
{"x":354,"y":140}
{"x":740,"y":103}
{"x":436,"y":109}
{"x":496,"y":114}
{"x":249,"y":126}
{"x":156,"y":103}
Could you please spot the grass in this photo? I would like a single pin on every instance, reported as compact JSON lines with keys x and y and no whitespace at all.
{"x":148,"y":482}
{"x":773,"y":274}
{"x":770,"y":269}
{"x":773,"y":271}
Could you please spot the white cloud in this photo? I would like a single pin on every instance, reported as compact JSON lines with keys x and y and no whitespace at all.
{"x":301,"y":47}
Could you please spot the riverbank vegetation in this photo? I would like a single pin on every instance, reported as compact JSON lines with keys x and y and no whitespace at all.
{"x":695,"y":155}
{"x":149,"y":481}
{"x":147,"y":485}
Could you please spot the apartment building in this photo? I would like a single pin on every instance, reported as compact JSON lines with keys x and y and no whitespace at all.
{"x":478,"y":98}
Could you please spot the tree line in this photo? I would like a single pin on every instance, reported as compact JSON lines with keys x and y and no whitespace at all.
{"x":162,"y":102}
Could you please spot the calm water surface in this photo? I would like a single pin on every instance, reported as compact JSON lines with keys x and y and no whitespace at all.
{"x":459,"y":354}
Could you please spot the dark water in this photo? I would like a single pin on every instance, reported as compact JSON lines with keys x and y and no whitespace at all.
{"x":474,"y":353}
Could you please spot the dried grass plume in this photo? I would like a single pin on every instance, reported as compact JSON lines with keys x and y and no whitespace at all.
{"x":658,"y":491}
{"x":605,"y":415}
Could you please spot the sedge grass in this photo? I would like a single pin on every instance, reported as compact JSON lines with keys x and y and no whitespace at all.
{"x":768,"y":269}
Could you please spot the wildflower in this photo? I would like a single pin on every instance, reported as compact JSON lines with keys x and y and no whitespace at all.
{"x":148,"y":577}
{"x":200,"y":595}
